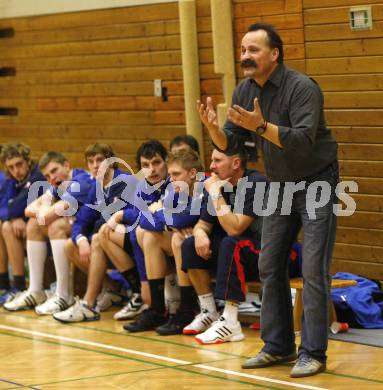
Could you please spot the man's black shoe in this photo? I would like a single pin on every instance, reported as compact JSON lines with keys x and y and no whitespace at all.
{"x":175,"y":324}
{"x":148,"y":320}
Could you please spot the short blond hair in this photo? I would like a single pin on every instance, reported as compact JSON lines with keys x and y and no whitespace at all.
{"x":187,"y":159}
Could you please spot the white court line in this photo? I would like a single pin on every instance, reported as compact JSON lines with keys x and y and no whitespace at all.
{"x":159,"y":357}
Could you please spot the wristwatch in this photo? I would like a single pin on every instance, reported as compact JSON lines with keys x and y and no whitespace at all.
{"x":261,"y":129}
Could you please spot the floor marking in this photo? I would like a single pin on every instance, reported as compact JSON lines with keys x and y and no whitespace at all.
{"x":163,"y":341}
{"x":159,"y":357}
{"x":18,"y":384}
{"x":125,"y":356}
{"x":160,"y":339}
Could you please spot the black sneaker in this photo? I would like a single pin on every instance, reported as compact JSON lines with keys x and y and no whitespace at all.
{"x":148,"y":320}
{"x":175,"y":324}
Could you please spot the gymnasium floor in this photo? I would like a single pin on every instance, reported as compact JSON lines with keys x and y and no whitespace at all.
{"x":40,"y":353}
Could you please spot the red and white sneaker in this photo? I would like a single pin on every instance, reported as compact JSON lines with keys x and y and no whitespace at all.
{"x":221,"y":332}
{"x":201,"y":322}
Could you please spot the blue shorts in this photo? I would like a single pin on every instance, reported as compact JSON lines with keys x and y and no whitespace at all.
{"x":235,"y":259}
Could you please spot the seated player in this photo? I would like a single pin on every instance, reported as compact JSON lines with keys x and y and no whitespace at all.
{"x":151,"y":158}
{"x":225,"y":239}
{"x":49,"y":220}
{"x":155,"y":236}
{"x":22,"y":172}
{"x":84,"y":249}
{"x":184,"y":143}
{"x":5,"y":288}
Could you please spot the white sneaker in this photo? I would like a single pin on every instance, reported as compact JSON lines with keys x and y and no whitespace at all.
{"x":220,"y":332}
{"x":79,"y":312}
{"x":25,"y":300}
{"x":108,"y":298}
{"x":53,"y":305}
{"x":134,"y":307}
{"x":201,"y":322}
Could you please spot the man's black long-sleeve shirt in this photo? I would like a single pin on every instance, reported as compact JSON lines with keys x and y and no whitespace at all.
{"x":294,"y":103}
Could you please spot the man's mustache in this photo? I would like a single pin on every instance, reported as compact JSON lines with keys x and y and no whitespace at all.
{"x":248,"y":63}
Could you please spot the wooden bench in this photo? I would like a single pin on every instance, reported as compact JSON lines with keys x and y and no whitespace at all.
{"x":297,"y":283}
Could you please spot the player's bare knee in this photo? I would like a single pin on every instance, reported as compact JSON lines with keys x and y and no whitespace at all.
{"x":6,"y":229}
{"x":177,"y":240}
{"x":58,"y":229}
{"x":95,"y":244}
{"x":102,"y":236}
{"x":34,"y":230}
{"x":69,"y":248}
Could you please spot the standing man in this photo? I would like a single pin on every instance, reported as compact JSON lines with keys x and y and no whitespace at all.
{"x":281,"y":111}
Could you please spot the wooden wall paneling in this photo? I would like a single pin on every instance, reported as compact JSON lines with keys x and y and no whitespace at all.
{"x":357,"y":99}
{"x":324,"y":15}
{"x":366,"y":202}
{"x":100,"y":131}
{"x":350,"y":82}
{"x":141,"y":14}
{"x":361,"y":151}
{"x":352,"y":235}
{"x":356,"y":65}
{"x":363,"y":219}
{"x":87,"y":77}
{"x":367,"y":185}
{"x":346,"y":48}
{"x":347,"y":134}
{"x":341,"y":31}
{"x":264,"y":7}
{"x":367,"y":253}
{"x":8,"y":88}
{"x":348,"y":66}
{"x":335,"y":3}
{"x":354,"y":117}
{"x":363,"y":168}
{"x":368,"y":269}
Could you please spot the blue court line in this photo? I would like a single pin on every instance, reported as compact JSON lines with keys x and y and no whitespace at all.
{"x":18,"y":384}
{"x":164,"y":341}
{"x":156,"y":364}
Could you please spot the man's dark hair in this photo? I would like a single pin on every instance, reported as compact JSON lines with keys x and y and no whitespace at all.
{"x":103,"y":149}
{"x":185,"y":139}
{"x":241,"y":153}
{"x":51,"y":156}
{"x":149,"y":149}
{"x":275,"y":40}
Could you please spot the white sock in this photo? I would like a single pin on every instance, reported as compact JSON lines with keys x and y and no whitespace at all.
{"x":172,"y":293}
{"x":207,"y":302}
{"x":230,"y":312}
{"x":37,"y":253}
{"x":62,"y":268}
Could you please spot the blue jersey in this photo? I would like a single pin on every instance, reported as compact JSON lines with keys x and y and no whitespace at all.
{"x":102,"y":202}
{"x":179,"y":211}
{"x":145,"y":195}
{"x":5,"y":188}
{"x":78,"y":189}
{"x":17,"y":198}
